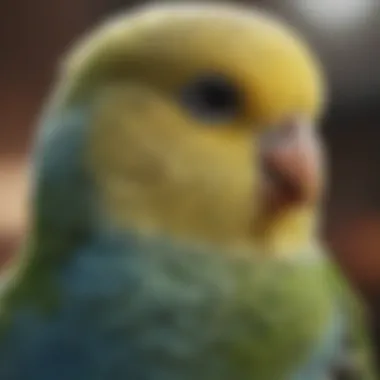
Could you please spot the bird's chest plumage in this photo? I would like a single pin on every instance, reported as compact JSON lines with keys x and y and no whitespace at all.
{"x":153,"y":317}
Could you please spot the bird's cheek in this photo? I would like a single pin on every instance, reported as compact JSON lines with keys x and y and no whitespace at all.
{"x":292,"y":162}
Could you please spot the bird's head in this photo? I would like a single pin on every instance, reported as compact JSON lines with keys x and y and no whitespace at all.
{"x":201,"y":126}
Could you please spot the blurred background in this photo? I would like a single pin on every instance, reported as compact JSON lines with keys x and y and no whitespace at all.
{"x":346,"y":33}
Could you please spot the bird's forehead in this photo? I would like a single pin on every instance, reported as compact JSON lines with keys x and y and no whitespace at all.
{"x":193,"y":33}
{"x":208,"y":29}
{"x":170,"y":44}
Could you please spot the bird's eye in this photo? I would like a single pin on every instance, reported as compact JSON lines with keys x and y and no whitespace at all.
{"x":212,"y":98}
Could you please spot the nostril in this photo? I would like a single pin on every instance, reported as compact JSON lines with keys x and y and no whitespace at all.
{"x":278,"y":139}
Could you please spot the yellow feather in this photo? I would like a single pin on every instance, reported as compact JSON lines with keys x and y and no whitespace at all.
{"x":161,"y":170}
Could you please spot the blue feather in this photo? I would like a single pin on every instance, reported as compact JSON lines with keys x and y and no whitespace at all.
{"x":128,"y":315}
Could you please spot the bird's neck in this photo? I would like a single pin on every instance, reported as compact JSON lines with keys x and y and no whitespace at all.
{"x":105,"y":263}
{"x":40,"y":274}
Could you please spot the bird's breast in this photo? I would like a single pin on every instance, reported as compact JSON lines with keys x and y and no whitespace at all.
{"x":155,"y":312}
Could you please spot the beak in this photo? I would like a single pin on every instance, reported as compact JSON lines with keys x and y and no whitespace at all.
{"x":292,"y":162}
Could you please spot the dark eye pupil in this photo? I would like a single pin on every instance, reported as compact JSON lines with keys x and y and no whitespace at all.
{"x":216,"y":94}
{"x":212,"y":97}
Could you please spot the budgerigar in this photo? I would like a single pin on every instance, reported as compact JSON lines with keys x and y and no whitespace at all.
{"x":175,"y":193}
